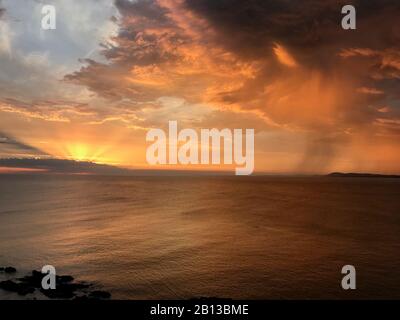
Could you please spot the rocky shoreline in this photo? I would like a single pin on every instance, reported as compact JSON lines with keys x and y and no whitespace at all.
{"x":66,"y":286}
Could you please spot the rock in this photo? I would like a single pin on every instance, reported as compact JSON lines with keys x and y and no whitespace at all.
{"x":24,"y":290}
{"x":66,"y":288}
{"x":97,"y":294}
{"x":34,"y":280}
{"x":58,"y":294}
{"x":64,"y":279}
{"x":10,"y":270}
{"x":63,"y":291}
{"x":9,"y":285}
{"x":19,"y":288}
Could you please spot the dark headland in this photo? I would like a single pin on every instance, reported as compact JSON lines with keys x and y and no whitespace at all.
{"x":361,"y":175}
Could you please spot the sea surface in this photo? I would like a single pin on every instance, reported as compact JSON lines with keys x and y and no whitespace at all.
{"x":186,"y":237}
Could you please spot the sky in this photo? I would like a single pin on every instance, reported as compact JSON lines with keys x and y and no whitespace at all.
{"x":320,"y":98}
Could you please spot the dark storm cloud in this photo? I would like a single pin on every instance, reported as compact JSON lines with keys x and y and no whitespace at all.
{"x":311,"y":31}
{"x":147,"y":9}
{"x":311,"y":28}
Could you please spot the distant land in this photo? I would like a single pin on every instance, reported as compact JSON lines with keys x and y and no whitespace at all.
{"x":361,"y":175}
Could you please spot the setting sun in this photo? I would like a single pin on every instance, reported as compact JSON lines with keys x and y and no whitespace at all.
{"x":79,"y":152}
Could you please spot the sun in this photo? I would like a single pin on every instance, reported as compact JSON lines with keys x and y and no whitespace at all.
{"x":81,"y":152}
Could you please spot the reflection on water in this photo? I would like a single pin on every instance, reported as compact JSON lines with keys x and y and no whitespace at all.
{"x":183,"y":237}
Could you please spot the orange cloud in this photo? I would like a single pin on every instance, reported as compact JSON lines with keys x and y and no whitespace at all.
{"x":287,"y":70}
{"x":284,"y":56}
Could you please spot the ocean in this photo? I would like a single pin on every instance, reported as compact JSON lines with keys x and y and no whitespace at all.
{"x":184,"y":237}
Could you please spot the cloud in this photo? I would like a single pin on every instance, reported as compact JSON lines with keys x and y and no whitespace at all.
{"x":185,"y":49}
{"x":2,"y":10}
{"x":5,"y":34}
{"x":9,"y":146}
{"x":59,"y":111}
{"x":284,"y":57}
{"x":367,"y":90}
{"x":58,"y":166}
{"x":382,"y":64}
{"x":277,"y":66}
{"x":286,"y":64}
{"x":160,"y":50}
{"x":33,"y":61}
